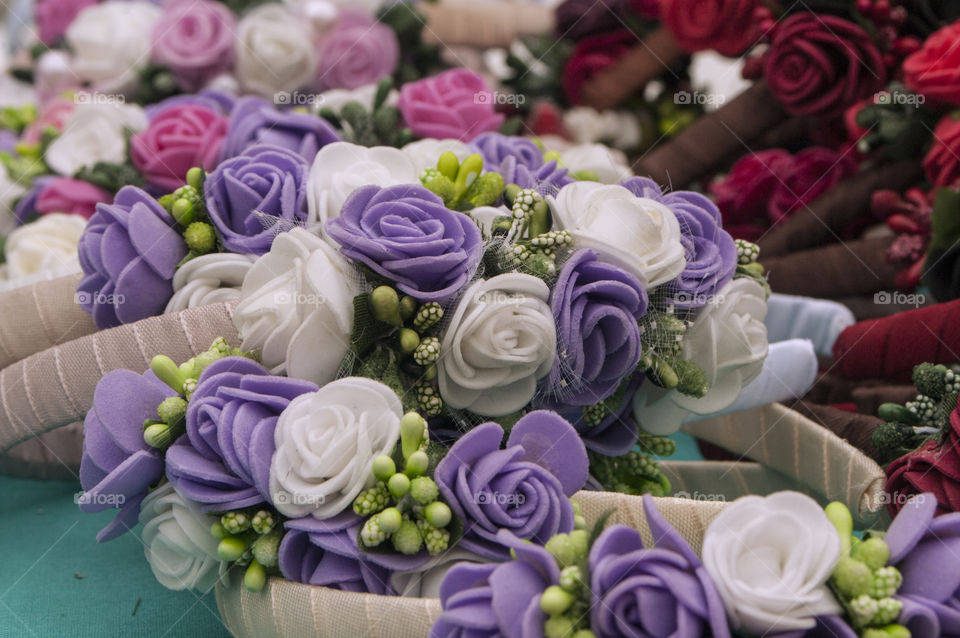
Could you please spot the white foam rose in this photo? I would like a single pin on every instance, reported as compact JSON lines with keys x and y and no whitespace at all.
{"x":177,"y":541}
{"x":770,"y":559}
{"x":44,"y":249}
{"x":276,"y":51}
{"x":336,"y":99}
{"x":608,"y":164}
{"x":111,"y":42}
{"x":728,"y":340}
{"x":9,"y":192}
{"x":296,"y":307}
{"x":425,"y":153}
{"x":96,"y":131}
{"x":639,"y":234}
{"x":209,"y":279}
{"x":587,"y":126}
{"x":326,"y":442}
{"x":341,"y":167}
{"x":500,"y":340}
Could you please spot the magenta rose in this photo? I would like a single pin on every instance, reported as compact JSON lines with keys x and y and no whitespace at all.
{"x":356,"y":52}
{"x":941,"y":163}
{"x":72,"y":196}
{"x":726,"y":26}
{"x":813,"y":172}
{"x":456,"y":104}
{"x":54,"y":16}
{"x":820,"y":65}
{"x":178,"y":138}
{"x":742,"y":195}
{"x":195,"y":39}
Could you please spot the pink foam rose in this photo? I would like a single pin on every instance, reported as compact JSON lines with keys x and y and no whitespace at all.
{"x":195,"y":38}
{"x":72,"y":196}
{"x":54,"y":114}
{"x":54,"y":16}
{"x":456,"y":104}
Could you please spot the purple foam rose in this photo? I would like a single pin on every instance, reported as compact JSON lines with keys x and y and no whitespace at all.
{"x":493,"y":600}
{"x":357,"y":51}
{"x":223,"y":460}
{"x":826,"y":627}
{"x":216,"y":101}
{"x":253,"y":120}
{"x":246,"y":191}
{"x":661,"y":591}
{"x":710,"y":251}
{"x":118,"y":467}
{"x":524,"y":488}
{"x":407,"y":235}
{"x":596,"y":307}
{"x":926,"y":550}
{"x":616,"y":433}
{"x":129,"y":252}
{"x":520,"y":162}
{"x":26,"y":206}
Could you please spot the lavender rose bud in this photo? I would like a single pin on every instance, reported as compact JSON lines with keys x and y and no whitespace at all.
{"x":246,"y":191}
{"x":709,"y":250}
{"x":223,"y":461}
{"x":523,"y":489}
{"x":596,"y":307}
{"x":118,"y":467}
{"x":661,"y":591}
{"x":129,"y":253}
{"x":255,"y":121}
{"x":407,"y":235}
{"x":488,"y":601}
{"x":520,"y":162}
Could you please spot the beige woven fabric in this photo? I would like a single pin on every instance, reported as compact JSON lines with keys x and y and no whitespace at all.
{"x":36,"y":317}
{"x":483,"y":24}
{"x":791,"y":444}
{"x":55,"y":387}
{"x":291,"y":610}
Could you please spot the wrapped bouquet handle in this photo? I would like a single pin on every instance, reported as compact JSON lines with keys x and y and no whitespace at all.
{"x":484,"y":24}
{"x":39,"y":316}
{"x":53,"y":388}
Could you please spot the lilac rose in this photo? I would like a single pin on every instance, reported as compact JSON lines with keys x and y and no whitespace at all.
{"x":711,"y":255}
{"x":489,"y":601}
{"x":118,"y":467}
{"x":26,"y":206}
{"x":223,"y":460}
{"x":617,"y":431}
{"x":596,"y":307}
{"x":357,"y":51}
{"x":195,"y":39}
{"x":129,"y":252}
{"x":253,"y":120}
{"x":249,"y":195}
{"x":520,"y":162}
{"x":406,"y":234}
{"x":524,"y":488}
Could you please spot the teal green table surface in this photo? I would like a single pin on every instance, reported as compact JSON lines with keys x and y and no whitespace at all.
{"x":56,"y":581}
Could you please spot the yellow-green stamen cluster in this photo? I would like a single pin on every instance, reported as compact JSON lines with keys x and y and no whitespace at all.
{"x":462,"y":185}
{"x":249,"y":538}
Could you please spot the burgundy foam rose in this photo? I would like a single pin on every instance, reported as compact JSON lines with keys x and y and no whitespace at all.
{"x":593,"y":55}
{"x":178,"y":138}
{"x":932,"y":71}
{"x":726,"y":26}
{"x":195,"y":39}
{"x":941,"y":163}
{"x":820,"y":65}
{"x":742,"y":195}
{"x":456,"y":104}
{"x":813,"y":172}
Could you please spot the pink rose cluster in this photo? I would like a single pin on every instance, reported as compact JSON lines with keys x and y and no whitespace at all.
{"x":456,"y":104}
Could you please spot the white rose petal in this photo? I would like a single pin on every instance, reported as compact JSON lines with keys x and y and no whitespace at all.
{"x":297,"y":307}
{"x":111,"y":42}
{"x":609,"y":165}
{"x":177,"y":541}
{"x":425,"y":582}
{"x":639,"y":234}
{"x":94,"y":132}
{"x":770,"y":559}
{"x":425,"y":153}
{"x":336,"y":99}
{"x":44,"y":249}
{"x":275,"y":51}
{"x":588,"y":126}
{"x":500,"y":340}
{"x":485,"y":216}
{"x":326,"y":442}
{"x":209,"y":279}
{"x":341,"y":167}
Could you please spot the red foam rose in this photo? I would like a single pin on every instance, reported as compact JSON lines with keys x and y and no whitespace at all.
{"x":934,"y":468}
{"x":725,"y":26}
{"x":932,"y":71}
{"x":941,"y":163}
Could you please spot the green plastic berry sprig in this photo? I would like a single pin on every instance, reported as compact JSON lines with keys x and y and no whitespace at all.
{"x":187,"y":208}
{"x":251,"y":539}
{"x":463,"y":185}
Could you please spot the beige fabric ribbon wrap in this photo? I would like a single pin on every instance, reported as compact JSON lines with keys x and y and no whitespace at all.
{"x":483,"y":24}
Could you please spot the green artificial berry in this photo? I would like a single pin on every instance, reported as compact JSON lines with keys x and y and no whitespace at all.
{"x":417,"y":464}
{"x":427,"y":316}
{"x":183,"y":211}
{"x":371,"y":534}
{"x":486,"y":190}
{"x":168,"y":372}
{"x":584,"y":633}
{"x":852,"y":577}
{"x":235,"y":522}
{"x":448,"y":165}
{"x":399,"y":485}
{"x":886,"y":582}
{"x":439,"y":184}
{"x":571,"y":579}
{"x":430,"y":372}
{"x":383,"y":467}
{"x":438,"y":514}
{"x":200,"y":237}
{"x":839,"y":514}
{"x":255,"y":577}
{"x":189,"y":387}
{"x":657,"y":445}
{"x":428,"y":398}
{"x":232,"y":548}
{"x":593,"y":415}
{"x":424,"y":490}
{"x":568,"y":549}
{"x":409,"y":340}
{"x":888,"y":611}
{"x":195,"y":178}
{"x":862,"y":610}
{"x":408,"y":307}
{"x":579,"y":522}
{"x":386,"y":305}
{"x":411,"y":433}
{"x":427,"y":352}
{"x":262,"y":522}
{"x":407,"y":539}
{"x":747,"y":252}
{"x":559,"y":627}
{"x":555,"y":600}
{"x":436,"y":540}
{"x":890,"y":631}
{"x":693,"y":380}
{"x":217,"y":531}
{"x":371,"y":501}
{"x":873,"y":552}
{"x":390,"y":520}
{"x":158,"y":435}
{"x":172,"y":409}
{"x":267,"y":547}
